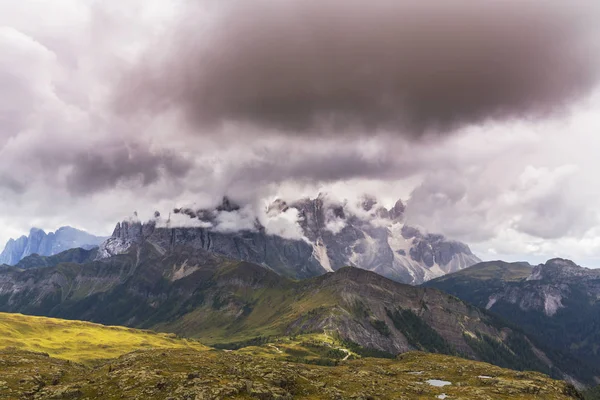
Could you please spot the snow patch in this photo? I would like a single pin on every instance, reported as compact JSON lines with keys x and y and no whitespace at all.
{"x":320,"y":252}
{"x":438,"y":383}
{"x":491,"y":302}
{"x":113,"y":246}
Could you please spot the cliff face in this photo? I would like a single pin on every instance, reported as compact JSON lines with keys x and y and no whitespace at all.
{"x":334,"y":236}
{"x":292,"y":258}
{"x":47,"y":244}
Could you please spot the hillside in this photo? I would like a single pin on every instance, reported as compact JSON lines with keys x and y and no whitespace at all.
{"x":474,"y":284}
{"x":77,"y":255}
{"x":79,"y":341}
{"x":232,"y":304}
{"x":557,"y":302}
{"x":189,"y":374}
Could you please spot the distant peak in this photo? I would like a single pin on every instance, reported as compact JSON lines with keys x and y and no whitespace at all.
{"x":228,"y":205}
{"x":397,"y":212}
{"x":66,"y":228}
{"x":558,"y":269}
{"x":561,"y":262}
{"x":368,"y":202}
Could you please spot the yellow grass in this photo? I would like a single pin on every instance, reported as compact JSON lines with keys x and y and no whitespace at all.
{"x":79,"y":341}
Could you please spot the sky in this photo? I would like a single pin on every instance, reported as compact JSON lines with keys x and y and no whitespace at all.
{"x":482,"y":118}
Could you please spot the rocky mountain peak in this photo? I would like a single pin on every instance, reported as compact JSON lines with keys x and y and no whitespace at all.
{"x":330,"y":234}
{"x":128,"y":230}
{"x":47,"y":244}
{"x":126,"y":234}
{"x":227,"y":205}
{"x":371,"y":237}
{"x":560,"y":270}
{"x":276,"y":207}
{"x":396,"y":213}
{"x":561,"y":263}
{"x":368,"y":202}
{"x":209,"y":214}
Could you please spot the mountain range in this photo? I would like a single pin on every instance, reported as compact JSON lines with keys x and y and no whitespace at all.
{"x":232,"y":303}
{"x":333,"y":235}
{"x":47,"y":244}
{"x":344,"y":275}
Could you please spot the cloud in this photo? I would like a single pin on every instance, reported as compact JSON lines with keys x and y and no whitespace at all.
{"x":25,"y":66}
{"x":112,"y":107}
{"x":325,"y":161}
{"x":348,"y":67}
{"x":284,"y":224}
{"x":104,"y":168}
{"x":479,"y":204}
{"x":548,"y":207}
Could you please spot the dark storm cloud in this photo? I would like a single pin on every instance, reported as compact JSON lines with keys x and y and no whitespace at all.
{"x":105,"y":168}
{"x":350,"y":65}
{"x":324,"y":164}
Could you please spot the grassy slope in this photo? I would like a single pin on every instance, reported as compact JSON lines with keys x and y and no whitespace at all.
{"x":492,"y":270}
{"x":272,"y":309}
{"x":81,"y":341}
{"x":172,"y":368}
{"x":188,"y":374}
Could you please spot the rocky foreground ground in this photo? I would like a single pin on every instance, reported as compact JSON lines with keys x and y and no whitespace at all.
{"x":190,"y":374}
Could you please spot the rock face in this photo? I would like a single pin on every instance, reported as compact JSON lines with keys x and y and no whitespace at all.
{"x":557,"y":302}
{"x":47,"y":244}
{"x":293,"y":258}
{"x":335,"y":235}
{"x":376,"y":239}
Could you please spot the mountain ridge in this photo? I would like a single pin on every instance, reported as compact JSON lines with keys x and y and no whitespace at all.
{"x":558,"y":302}
{"x":47,"y":244}
{"x":335,"y":234}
